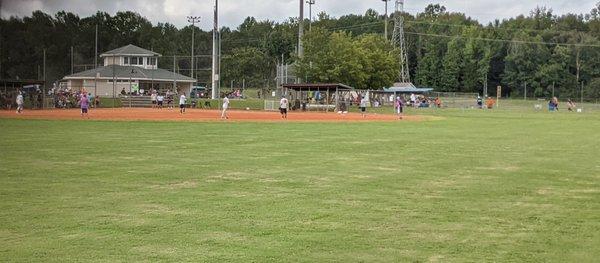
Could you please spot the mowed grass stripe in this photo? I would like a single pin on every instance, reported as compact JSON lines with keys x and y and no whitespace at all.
{"x":473,"y":186}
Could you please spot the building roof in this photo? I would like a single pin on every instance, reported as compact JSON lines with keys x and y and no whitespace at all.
{"x":124,"y":72}
{"x":130,"y":50}
{"x":406,"y":90}
{"x":10,"y":82}
{"x":314,"y":86}
{"x":404,"y":85}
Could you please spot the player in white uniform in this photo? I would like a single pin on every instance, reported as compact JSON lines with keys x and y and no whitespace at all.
{"x":225,"y":107}
{"x":153,"y":98}
{"x":20,"y":101}
{"x":363,"y":106}
{"x":283,"y":107}
{"x":160,"y":100}
{"x":182,"y":104}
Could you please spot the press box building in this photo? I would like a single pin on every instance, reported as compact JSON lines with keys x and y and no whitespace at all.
{"x":128,"y":68}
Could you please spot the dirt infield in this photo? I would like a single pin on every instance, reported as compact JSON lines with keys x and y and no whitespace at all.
{"x":133,"y":114}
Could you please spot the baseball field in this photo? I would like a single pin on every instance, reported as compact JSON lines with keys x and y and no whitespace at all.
{"x":441,"y":186}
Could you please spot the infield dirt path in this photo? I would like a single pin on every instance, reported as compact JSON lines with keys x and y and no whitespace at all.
{"x":144,"y":114}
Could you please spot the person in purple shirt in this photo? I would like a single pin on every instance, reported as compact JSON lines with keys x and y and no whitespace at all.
{"x":399,"y":105}
{"x":85,"y":104}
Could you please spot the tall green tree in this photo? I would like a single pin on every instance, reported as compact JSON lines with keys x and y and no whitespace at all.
{"x":429,"y":68}
{"x":241,"y":66}
{"x":366,"y":62}
{"x":451,"y":66}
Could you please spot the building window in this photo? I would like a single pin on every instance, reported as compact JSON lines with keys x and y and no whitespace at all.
{"x":126,"y":61}
{"x":133,"y":60}
{"x":152,"y":61}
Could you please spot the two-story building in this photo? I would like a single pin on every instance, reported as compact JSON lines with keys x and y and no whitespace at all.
{"x":129,"y":69}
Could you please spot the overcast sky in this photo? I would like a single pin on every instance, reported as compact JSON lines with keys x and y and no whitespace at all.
{"x":233,"y":12}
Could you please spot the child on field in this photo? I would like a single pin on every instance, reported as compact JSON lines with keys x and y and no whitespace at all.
{"x":182,"y":104}
{"x":85,"y":104}
{"x":160,"y":99}
{"x":363,"y":107}
{"x":399,"y":105}
{"x":20,"y":102}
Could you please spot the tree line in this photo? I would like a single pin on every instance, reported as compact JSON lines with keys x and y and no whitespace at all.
{"x":548,"y":53}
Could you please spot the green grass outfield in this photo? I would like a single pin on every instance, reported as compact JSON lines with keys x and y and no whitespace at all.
{"x":475,"y":186}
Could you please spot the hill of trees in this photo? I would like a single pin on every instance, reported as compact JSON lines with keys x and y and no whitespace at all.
{"x":447,"y":51}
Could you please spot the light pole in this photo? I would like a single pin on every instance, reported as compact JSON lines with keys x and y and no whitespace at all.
{"x":193,"y":20}
{"x":386,"y":18}
{"x":310,"y":4}
{"x":216,"y":60}
{"x":301,"y":29}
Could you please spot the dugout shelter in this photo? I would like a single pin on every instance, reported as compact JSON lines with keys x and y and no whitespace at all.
{"x":318,"y":96}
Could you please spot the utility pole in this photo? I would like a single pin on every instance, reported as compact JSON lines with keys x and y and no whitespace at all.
{"x":215,"y":62}
{"x":386,"y":18}
{"x":96,"y":77}
{"x":582,"y":92}
{"x":44,"y":87}
{"x":114,"y":78}
{"x":96,"y":49}
{"x":0,"y":44}
{"x":130,"y":91}
{"x":282,"y":70}
{"x":72,"y":59}
{"x":525,"y":93}
{"x":398,"y":41}
{"x":193,"y":20}
{"x":174,"y":81}
{"x":219,"y":61}
{"x":485,"y":86}
{"x":310,"y":4}
{"x":553,"y":89}
{"x":301,"y":29}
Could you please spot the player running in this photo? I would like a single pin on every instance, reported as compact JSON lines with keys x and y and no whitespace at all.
{"x":283,"y":107}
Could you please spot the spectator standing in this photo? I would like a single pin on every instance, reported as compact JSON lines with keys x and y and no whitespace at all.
{"x":413,"y":100}
{"x":153,"y":97}
{"x":96,"y":101}
{"x":490,"y":103}
{"x":571,"y":105}
{"x":169,"y":99}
